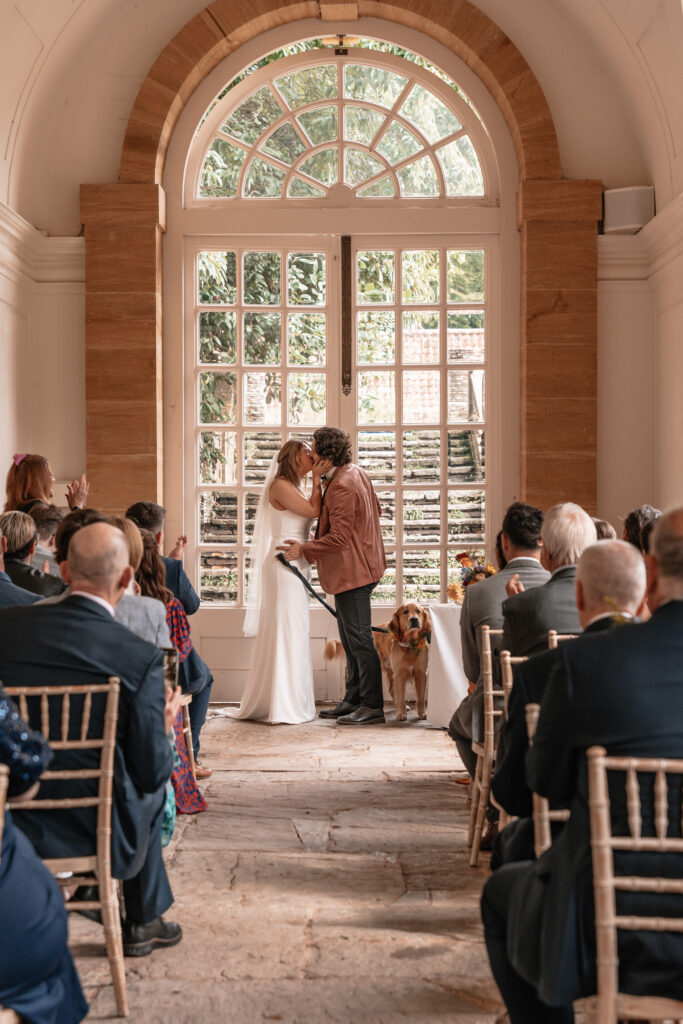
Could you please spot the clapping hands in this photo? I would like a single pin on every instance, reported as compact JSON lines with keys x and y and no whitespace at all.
{"x":514,"y":586}
{"x":77,"y":492}
{"x":179,"y":549}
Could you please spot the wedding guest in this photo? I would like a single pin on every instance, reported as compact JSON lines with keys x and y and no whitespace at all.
{"x":47,"y":518}
{"x":604,"y":530}
{"x":77,"y":640}
{"x":19,"y":531}
{"x":529,"y":615}
{"x":71,"y":524}
{"x":645,"y":535}
{"x":620,"y":690}
{"x":10,"y":594}
{"x":150,"y":516}
{"x":636,"y":520}
{"x":30,"y":482}
{"x":145,"y":616}
{"x":501,"y":560}
{"x":38,"y":979}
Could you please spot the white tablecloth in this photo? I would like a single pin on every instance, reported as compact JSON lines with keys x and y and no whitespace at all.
{"x":447,"y":682}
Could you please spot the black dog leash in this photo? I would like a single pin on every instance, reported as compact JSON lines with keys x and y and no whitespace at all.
{"x":297,"y":572}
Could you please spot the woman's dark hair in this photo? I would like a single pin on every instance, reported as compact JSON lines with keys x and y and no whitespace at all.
{"x":604,"y":530}
{"x":286,"y":462}
{"x":646,"y":534}
{"x":333,"y":444}
{"x":522,"y":526}
{"x":151,"y":574}
{"x":31,"y":480}
{"x":70,"y":525}
{"x":500,"y":557}
{"x":636,"y":520}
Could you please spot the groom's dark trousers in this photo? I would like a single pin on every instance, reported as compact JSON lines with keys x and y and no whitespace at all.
{"x":364,"y":671}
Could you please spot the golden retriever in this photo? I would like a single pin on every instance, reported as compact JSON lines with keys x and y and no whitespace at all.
{"x":404,"y":654}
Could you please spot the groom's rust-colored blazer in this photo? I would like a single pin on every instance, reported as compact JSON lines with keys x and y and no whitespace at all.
{"x":348,"y":545}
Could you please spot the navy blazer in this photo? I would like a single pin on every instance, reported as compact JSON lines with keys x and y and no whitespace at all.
{"x":77,"y":641}
{"x":12,"y":595}
{"x":623,"y":690}
{"x":179,"y":584}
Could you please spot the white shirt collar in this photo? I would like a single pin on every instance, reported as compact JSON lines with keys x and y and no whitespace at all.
{"x":524,"y":558}
{"x":94,"y":597}
{"x":608,"y":615}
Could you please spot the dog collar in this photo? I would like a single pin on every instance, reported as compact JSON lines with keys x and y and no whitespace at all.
{"x":412,"y":645}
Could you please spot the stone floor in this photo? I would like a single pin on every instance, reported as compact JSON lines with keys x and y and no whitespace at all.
{"x":328,"y":882}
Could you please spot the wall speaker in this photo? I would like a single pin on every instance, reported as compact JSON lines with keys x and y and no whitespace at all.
{"x":627,"y":210}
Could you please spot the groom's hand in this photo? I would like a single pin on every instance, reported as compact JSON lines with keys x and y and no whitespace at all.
{"x":292,"y":550}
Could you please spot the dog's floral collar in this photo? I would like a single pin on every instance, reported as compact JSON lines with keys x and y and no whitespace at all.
{"x":412,"y":645}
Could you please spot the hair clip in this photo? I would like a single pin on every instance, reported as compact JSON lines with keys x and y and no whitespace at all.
{"x":18,"y":459}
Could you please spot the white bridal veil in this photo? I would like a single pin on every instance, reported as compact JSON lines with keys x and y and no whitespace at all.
{"x":260,"y":546}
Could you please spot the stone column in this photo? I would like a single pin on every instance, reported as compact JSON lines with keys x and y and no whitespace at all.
{"x":558,"y":223}
{"x":124,"y":225}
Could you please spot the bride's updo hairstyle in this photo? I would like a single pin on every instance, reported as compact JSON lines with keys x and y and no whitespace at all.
{"x":286,"y":462}
{"x":333,"y":444}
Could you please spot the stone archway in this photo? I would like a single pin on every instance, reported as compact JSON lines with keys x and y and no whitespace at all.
{"x":557,"y":220}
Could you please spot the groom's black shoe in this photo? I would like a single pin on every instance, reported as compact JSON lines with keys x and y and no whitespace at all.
{"x":342,"y":708}
{"x":363,"y":716}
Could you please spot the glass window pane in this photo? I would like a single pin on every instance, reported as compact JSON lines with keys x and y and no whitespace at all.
{"x":308,"y":85}
{"x":465,"y":339}
{"x":359,"y":166}
{"x":376,"y":336}
{"x":217,"y":337}
{"x":262,"y":278}
{"x":466,"y":275}
{"x":387,"y":500}
{"x":217,"y":517}
{"x":383,"y":187}
{"x":218,"y":457}
{"x":422,"y":575}
{"x":421,"y":517}
{"x":259,"y":450}
{"x":306,"y":278}
{"x":461,"y":168}
{"x":284,"y":144}
{"x":376,"y":85}
{"x":465,"y":396}
{"x":299,"y":189}
{"x":375,"y":281}
{"x":421,"y":337}
{"x":385,"y":591}
{"x":307,"y":398}
{"x":421,"y":456}
{"x":218,"y":577}
{"x":217,"y":397}
{"x":362,"y":124}
{"x":221,"y":170}
{"x":253,"y":116}
{"x":376,"y":397}
{"x":398,"y":143}
{"x":419,"y":178}
{"x":421,"y":276}
{"x":322,"y":166}
{"x":306,"y":339}
{"x":251,"y":501}
{"x":377,"y":455}
{"x":262,"y":398}
{"x":421,"y":396}
{"x":429,"y":114}
{"x":263,"y":181}
{"x":466,"y":456}
{"x":466,"y":517}
{"x":217,"y":273}
{"x":262,"y":338}
{"x":320,"y":124}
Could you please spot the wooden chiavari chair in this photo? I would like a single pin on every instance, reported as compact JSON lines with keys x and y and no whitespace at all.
{"x":486,"y":751}
{"x":542,"y":814}
{"x":554,"y":637}
{"x":610,"y":1005}
{"x":507,"y":661}
{"x":100,"y":863}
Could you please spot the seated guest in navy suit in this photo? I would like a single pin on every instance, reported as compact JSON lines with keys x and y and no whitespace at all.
{"x":38,"y":979}
{"x":610,"y":590}
{"x":10,"y":594}
{"x":621,"y":689}
{"x":20,"y":532}
{"x":78,"y":641}
{"x":194,"y":674}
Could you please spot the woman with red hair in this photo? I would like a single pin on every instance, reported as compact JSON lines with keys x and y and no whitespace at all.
{"x":30,"y":482}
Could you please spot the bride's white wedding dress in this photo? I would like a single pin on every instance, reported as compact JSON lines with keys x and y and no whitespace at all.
{"x":280,"y":683}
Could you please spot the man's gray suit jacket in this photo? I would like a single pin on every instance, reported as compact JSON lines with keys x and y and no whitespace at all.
{"x":483,"y":606}
{"x":529,"y":616}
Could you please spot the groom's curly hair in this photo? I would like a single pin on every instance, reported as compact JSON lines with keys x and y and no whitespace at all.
{"x":333,"y":444}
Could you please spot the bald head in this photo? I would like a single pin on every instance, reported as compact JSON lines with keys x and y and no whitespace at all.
{"x":666,"y":546}
{"x":98,"y":559}
{"x":611,"y":577}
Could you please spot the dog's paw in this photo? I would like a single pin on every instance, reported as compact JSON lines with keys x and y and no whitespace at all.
{"x":422,"y":714}
{"x":401,"y":716}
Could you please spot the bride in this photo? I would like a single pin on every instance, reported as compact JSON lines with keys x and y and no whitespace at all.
{"x":280,"y":683}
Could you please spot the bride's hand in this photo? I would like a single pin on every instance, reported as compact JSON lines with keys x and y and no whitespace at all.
{"x":321,"y":467}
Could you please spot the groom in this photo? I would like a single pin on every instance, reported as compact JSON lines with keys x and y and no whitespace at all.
{"x":349,"y":551}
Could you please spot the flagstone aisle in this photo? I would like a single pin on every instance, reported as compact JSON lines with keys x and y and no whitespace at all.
{"x":328,"y":882}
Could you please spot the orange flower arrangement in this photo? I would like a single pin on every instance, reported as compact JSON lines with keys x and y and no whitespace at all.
{"x":470,"y":571}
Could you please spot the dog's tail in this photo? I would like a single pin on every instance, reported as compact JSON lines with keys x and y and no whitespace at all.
{"x":332,"y":649}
